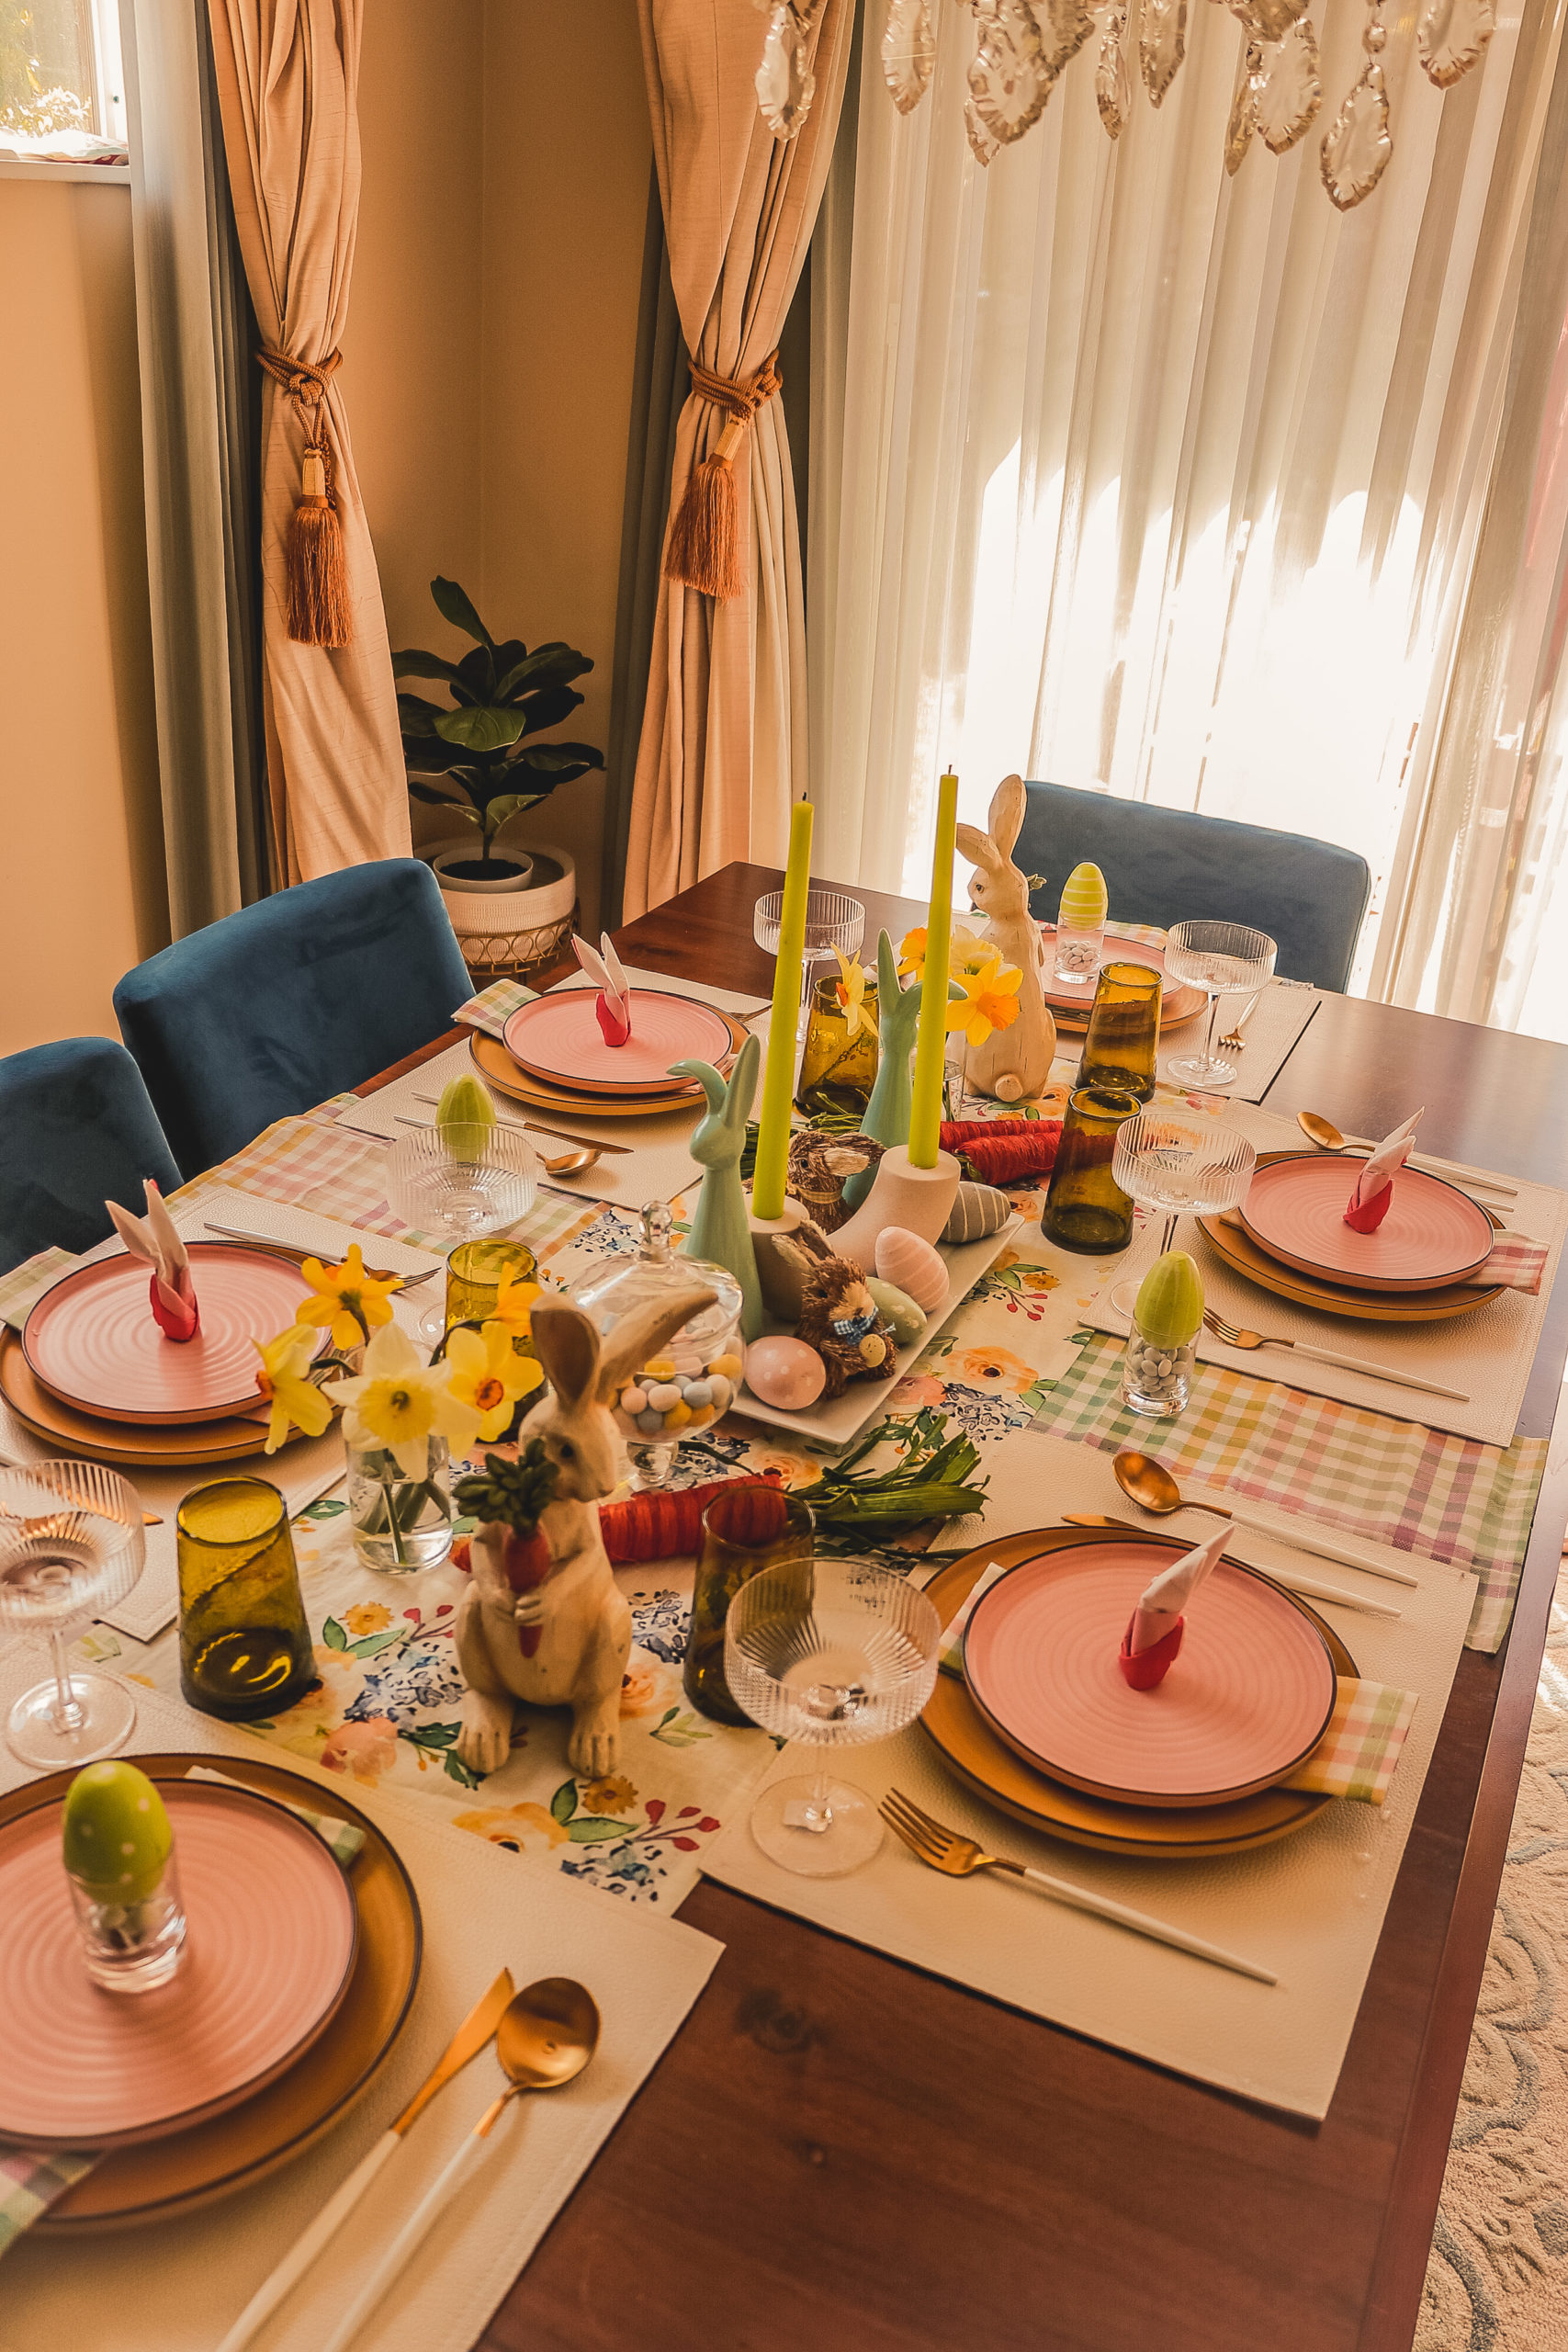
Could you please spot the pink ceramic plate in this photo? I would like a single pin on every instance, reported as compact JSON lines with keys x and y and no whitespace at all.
{"x":1432,"y":1234}
{"x":93,"y":1342}
{"x":1251,"y":1695}
{"x":1177,"y":1004}
{"x":558,"y":1037}
{"x":270,"y":1947}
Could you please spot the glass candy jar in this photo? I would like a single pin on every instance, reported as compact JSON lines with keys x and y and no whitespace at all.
{"x":690,"y":1384}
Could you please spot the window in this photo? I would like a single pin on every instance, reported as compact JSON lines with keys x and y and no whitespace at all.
{"x":61,"y":94}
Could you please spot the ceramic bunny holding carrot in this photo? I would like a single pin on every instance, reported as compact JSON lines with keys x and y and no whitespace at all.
{"x":1014,"y":1062}
{"x":583,"y":1619}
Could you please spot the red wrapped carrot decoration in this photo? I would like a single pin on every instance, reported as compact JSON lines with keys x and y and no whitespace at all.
{"x":663,"y":1526}
{"x":1004,"y":1151}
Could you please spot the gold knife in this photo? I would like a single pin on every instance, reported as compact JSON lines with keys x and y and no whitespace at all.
{"x":477,"y":2029}
{"x":1308,"y":1587}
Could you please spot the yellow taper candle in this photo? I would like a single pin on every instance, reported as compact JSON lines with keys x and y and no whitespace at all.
{"x":931,"y":1038}
{"x":778,"y":1080}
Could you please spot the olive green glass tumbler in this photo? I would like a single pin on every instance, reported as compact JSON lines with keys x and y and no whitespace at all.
{"x":1123,"y":1043}
{"x":746,"y":1530}
{"x":833,"y":1056}
{"x":1086,"y":1208}
{"x":246,"y":1651}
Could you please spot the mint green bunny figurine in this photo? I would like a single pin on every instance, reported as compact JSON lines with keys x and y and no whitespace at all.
{"x":886,"y":1116}
{"x":721,"y":1227}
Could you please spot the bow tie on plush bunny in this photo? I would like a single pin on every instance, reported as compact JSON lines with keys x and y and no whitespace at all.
{"x":613,"y":1005}
{"x":1012,"y":1064}
{"x":153,"y":1238}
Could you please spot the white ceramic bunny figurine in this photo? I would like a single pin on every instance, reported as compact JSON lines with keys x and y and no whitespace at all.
{"x":584,"y":1619}
{"x":1013,"y":1062}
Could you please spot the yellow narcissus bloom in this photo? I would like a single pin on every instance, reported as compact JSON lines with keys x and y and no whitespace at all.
{"x":966,"y":952}
{"x":514,"y":1299}
{"x":990,"y":999}
{"x":489,"y":1376}
{"x":284,"y":1380}
{"x":851,"y":996}
{"x":350,"y":1302}
{"x":401,"y":1403}
{"x":912,"y":950}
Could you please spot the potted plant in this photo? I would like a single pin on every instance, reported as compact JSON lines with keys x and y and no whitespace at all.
{"x":479,"y":758}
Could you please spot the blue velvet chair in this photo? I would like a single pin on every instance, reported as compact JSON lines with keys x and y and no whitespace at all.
{"x":76,"y":1129}
{"x":271,"y":1010}
{"x":1165,"y":865}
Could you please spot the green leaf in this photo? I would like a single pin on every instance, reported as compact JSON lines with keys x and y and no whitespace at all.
{"x":547,"y":665}
{"x":563,"y":1805}
{"x":375,"y":1642}
{"x":475,"y":670}
{"x":558,"y":759}
{"x":453,"y":606}
{"x":482,"y":729}
{"x":416,"y":716}
{"x":508,"y":654}
{"x":433,"y":757}
{"x":456,"y":1770}
{"x":548,"y":708}
{"x":595,"y":1833}
{"x":433,"y":800}
{"x":507,"y":804}
{"x":334,"y":1635}
{"x":413,"y":663}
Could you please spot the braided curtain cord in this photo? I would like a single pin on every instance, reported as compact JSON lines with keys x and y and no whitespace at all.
{"x":315,"y":566}
{"x":702,"y":551}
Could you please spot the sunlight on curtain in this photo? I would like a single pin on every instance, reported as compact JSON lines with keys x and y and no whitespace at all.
{"x":1175,"y":486}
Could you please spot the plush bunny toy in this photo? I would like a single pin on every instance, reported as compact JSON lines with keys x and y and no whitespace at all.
{"x":584,"y":1620}
{"x":1013,"y":1062}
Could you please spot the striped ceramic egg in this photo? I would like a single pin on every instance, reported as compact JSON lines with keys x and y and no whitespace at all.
{"x":912,"y":1266}
{"x":979,"y":1209}
{"x":1084,"y":902}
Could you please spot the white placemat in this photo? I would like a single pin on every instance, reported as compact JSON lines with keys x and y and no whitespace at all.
{"x":1310,"y":1906}
{"x":1487,"y":1354}
{"x":181,"y":2284}
{"x":1282,"y":1013}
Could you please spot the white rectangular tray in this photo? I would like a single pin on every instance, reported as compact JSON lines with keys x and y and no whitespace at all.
{"x":836,"y":1421}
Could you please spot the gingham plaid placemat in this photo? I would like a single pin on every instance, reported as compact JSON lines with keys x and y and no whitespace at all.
{"x":493,"y":1007}
{"x":1450,"y":1499}
{"x":1358,"y":1753}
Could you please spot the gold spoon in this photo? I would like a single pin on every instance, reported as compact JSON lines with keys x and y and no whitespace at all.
{"x":547,"y":2035}
{"x":1324,"y":1133}
{"x":1152,"y":1487}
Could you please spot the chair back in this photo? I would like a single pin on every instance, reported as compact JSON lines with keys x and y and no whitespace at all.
{"x":270,"y":1010}
{"x":76,"y":1129}
{"x":1167,"y":866}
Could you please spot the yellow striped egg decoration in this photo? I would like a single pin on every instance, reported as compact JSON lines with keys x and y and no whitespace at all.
{"x":1084,"y":901}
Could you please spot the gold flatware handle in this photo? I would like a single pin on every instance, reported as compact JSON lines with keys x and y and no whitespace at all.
{"x":287,"y":1249}
{"x":1309,"y":1587}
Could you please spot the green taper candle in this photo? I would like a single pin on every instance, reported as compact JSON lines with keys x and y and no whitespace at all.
{"x":778,"y":1079}
{"x":931,"y":1038}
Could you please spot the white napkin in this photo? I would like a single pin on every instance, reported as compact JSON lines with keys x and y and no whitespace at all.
{"x":1386,"y":1161}
{"x":155,"y":1238}
{"x":949,"y":1657}
{"x":606,"y":968}
{"x":1163,"y":1602}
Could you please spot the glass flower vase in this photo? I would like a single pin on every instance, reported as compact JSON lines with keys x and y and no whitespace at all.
{"x":401,"y":1524}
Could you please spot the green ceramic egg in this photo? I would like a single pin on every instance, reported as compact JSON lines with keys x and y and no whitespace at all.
{"x":906,"y":1319}
{"x":1084,"y":900}
{"x":465,"y":1103}
{"x":117,"y":1833}
{"x":1170,"y":1301}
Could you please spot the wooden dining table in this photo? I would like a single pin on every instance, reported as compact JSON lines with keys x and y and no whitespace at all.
{"x":841,"y":2150}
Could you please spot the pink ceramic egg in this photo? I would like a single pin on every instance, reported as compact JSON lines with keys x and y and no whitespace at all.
{"x":785,"y":1372}
{"x":912,"y":1266}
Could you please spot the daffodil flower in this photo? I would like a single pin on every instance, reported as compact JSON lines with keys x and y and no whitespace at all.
{"x":851,"y":996}
{"x":966,"y":952}
{"x":399,"y":1403}
{"x":348,"y":1300}
{"x":514,"y":1299}
{"x":489,"y":1376}
{"x":990,"y":1000}
{"x":284,"y":1379}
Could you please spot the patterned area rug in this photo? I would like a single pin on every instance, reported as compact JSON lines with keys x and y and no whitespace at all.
{"x":1497,"y":2280}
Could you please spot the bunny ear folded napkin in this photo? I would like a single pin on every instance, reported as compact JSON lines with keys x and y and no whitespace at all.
{"x":1369,"y":1203}
{"x":172,"y":1289}
{"x":613,"y":1005}
{"x":1155,"y":1629}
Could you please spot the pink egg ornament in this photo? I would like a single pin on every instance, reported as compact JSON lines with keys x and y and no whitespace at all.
{"x":912,"y":1266}
{"x":785,"y":1372}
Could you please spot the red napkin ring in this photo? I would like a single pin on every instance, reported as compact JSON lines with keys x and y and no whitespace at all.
{"x":615,"y":1027}
{"x":184,"y":1324}
{"x":1144,"y":1669}
{"x":1370,"y":1215}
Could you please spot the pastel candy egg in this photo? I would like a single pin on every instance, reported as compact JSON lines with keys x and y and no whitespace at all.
{"x":634,"y":1401}
{"x":912,"y":1266}
{"x":978,"y":1210}
{"x":116,"y":1833}
{"x":659,"y":1369}
{"x":698,"y":1394}
{"x":722,"y":1389}
{"x":651,"y":1423}
{"x":785,"y":1372}
{"x":663,"y":1397}
{"x":728,"y":1364}
{"x":679,"y":1414}
{"x":906,"y":1319}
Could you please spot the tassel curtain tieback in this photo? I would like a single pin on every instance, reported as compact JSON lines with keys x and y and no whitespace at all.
{"x":315,"y":567}
{"x":702,"y":551}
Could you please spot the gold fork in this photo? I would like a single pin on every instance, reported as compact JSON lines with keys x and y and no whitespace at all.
{"x":957,"y":1857}
{"x":1233,"y":1337}
{"x":1235,"y":1041}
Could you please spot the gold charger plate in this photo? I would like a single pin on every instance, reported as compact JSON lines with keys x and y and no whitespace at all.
{"x":122,"y":1445}
{"x":973,"y":1752}
{"x":193,"y":2168}
{"x":1244,"y":1257}
{"x":497,"y":1069}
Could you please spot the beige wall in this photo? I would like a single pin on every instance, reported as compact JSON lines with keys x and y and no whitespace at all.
{"x":493,"y":330}
{"x":80,"y":875}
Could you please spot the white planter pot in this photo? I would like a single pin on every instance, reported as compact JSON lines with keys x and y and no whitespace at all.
{"x":503,"y":930}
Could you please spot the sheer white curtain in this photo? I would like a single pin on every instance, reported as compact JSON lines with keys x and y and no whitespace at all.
{"x":1197,"y":490}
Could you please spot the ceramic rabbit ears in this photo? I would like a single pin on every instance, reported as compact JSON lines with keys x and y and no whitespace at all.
{"x":582,"y":1368}
{"x":994,"y":850}
{"x":729,"y":1099}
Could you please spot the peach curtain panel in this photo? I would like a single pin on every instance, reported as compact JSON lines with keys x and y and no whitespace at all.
{"x":724,"y":737}
{"x":288,"y":78}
